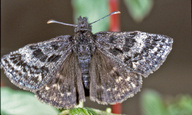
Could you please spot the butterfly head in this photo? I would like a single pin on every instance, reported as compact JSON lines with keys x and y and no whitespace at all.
{"x":83,"y":25}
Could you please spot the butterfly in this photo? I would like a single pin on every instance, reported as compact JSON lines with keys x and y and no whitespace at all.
{"x":106,"y":66}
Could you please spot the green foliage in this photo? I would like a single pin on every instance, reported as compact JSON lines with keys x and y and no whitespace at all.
{"x":93,"y":10}
{"x":96,"y":9}
{"x":139,"y":9}
{"x":82,"y":111}
{"x":153,"y":104}
{"x":85,"y":111}
{"x":180,"y":106}
{"x":23,"y":103}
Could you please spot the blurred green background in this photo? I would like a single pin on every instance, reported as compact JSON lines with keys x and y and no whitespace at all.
{"x":24,"y":22}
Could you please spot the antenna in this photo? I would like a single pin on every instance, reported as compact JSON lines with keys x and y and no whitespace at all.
{"x":116,"y":12}
{"x":57,"y":22}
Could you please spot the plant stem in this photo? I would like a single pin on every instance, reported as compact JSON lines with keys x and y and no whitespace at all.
{"x":114,"y":26}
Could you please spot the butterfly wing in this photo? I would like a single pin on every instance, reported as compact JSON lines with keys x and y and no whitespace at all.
{"x":34,"y":65}
{"x":120,"y":61}
{"x":140,"y":52}
{"x":110,"y":82}
{"x":65,"y":90}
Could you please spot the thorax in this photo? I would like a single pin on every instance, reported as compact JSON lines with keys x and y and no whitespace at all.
{"x":84,"y":45}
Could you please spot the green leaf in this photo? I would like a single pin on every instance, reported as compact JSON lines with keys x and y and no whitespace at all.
{"x":93,"y":10}
{"x":81,"y":111}
{"x":85,"y":111}
{"x":23,"y":103}
{"x":139,"y":8}
{"x":152,"y":104}
{"x":91,"y":111}
{"x":182,"y":106}
{"x":99,"y":112}
{"x":186,"y":103}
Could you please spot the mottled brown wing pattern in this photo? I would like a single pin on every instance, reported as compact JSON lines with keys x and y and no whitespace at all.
{"x":110,"y":83}
{"x":65,"y":90}
{"x":107,"y":66}
{"x":137,"y":51}
{"x":34,"y":65}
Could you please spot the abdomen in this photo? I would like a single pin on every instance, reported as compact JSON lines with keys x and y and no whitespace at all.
{"x":84,"y":58}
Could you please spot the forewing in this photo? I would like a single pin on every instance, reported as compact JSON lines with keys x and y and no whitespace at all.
{"x":110,"y":83}
{"x":138,"y":51}
{"x":65,"y":90}
{"x":34,"y":65}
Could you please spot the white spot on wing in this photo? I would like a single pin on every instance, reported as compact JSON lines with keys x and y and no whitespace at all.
{"x":118,"y":79}
{"x":127,"y":79}
{"x":68,"y":93}
{"x":54,"y":85}
{"x":133,"y":85}
{"x":135,"y":64}
{"x":109,"y":89}
{"x":40,"y":78}
{"x":47,"y":88}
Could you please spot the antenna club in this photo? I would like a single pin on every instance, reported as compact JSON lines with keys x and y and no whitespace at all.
{"x":50,"y":21}
{"x":57,"y":22}
{"x":116,"y":12}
